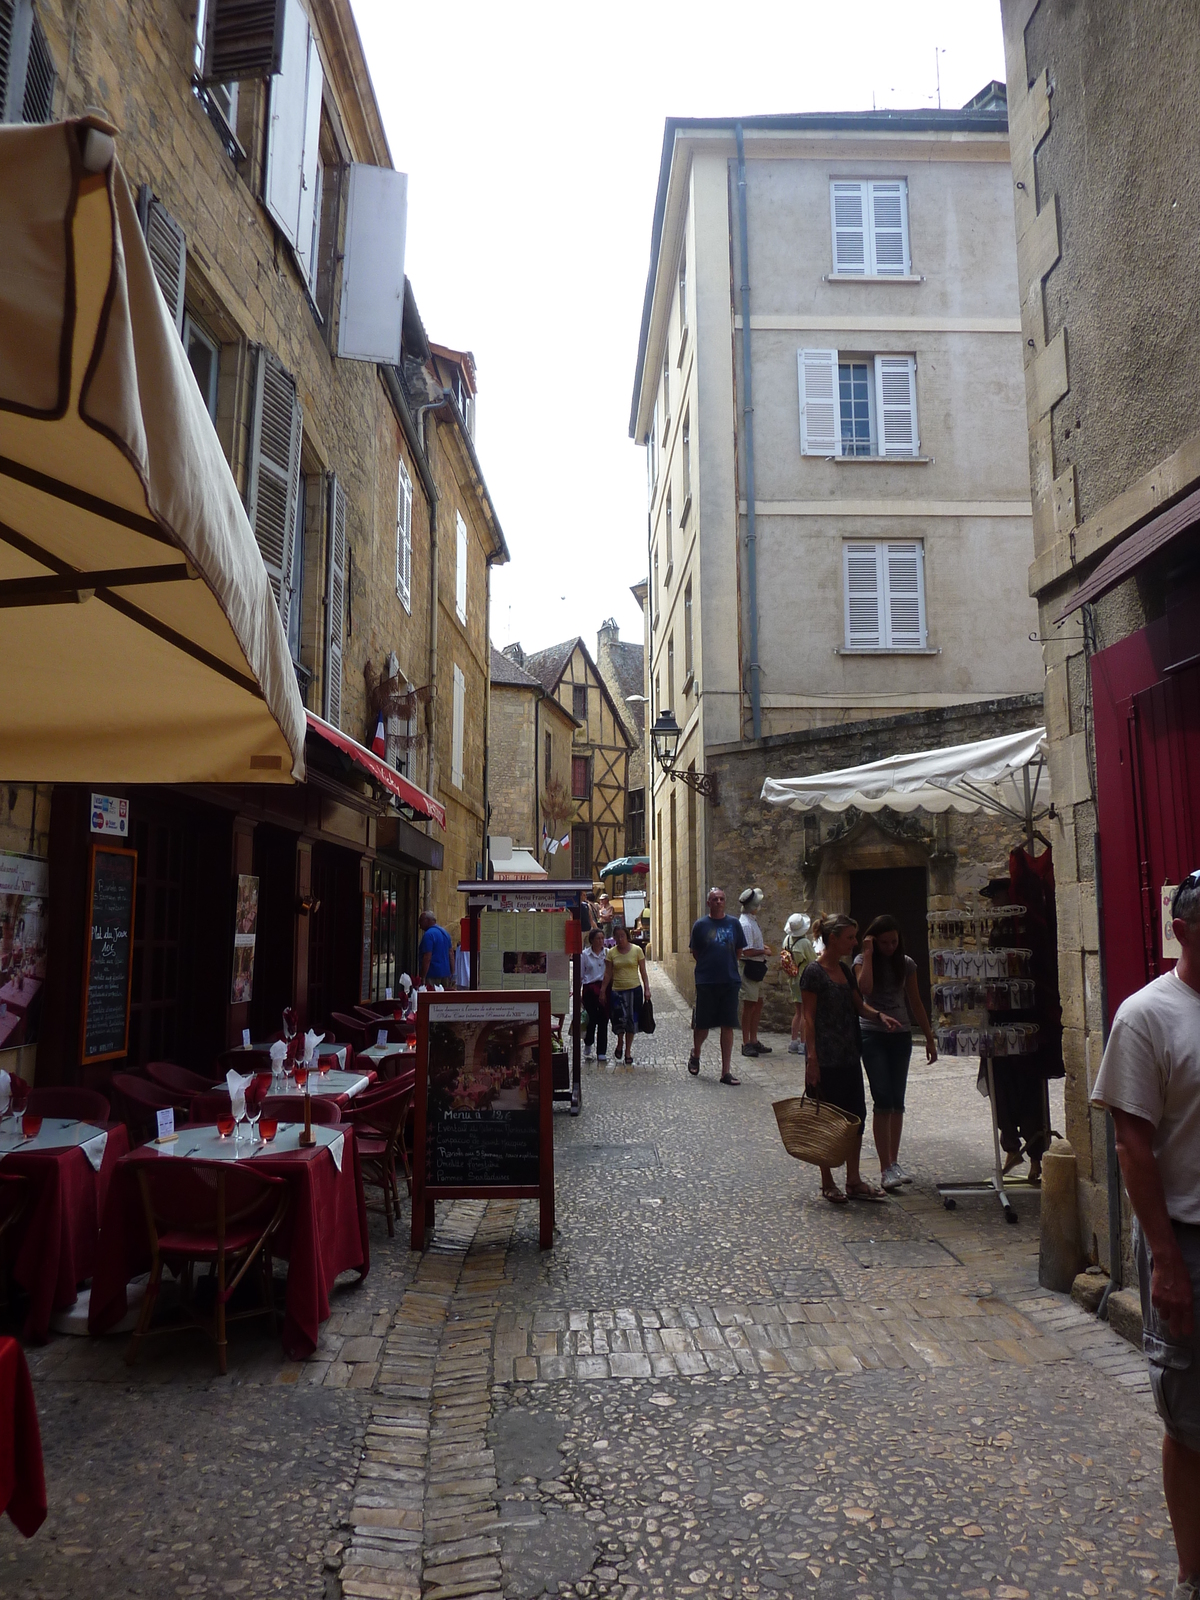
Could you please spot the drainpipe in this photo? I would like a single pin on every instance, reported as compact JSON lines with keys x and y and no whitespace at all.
{"x":748,"y":415}
{"x":537,"y":805}
{"x":431,"y":709}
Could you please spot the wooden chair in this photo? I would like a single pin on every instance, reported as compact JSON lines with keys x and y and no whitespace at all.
{"x":392,"y":1067}
{"x":86,"y":1105}
{"x":290,"y":1108}
{"x":177,"y":1080}
{"x":345,"y":1029}
{"x":379,"y":1127}
{"x":215,"y":1213}
{"x":140,"y":1101}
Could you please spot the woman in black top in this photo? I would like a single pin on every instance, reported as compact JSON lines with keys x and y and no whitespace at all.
{"x":832,"y":1007}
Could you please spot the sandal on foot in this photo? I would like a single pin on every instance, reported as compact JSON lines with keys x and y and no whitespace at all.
{"x":694,"y":1066}
{"x":834,"y":1196}
{"x":728,"y":1077}
{"x":628,"y":1061}
{"x":866,"y":1191}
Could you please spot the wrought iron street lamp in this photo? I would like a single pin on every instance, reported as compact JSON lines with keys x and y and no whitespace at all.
{"x":664,"y":736}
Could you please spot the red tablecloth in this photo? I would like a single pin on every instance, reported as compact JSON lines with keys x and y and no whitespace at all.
{"x":323,"y":1234}
{"x":22,"y":1480}
{"x":57,"y":1236}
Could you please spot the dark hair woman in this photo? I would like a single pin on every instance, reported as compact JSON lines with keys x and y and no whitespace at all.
{"x":625,"y":981}
{"x":832,"y":1008}
{"x":889,"y":979}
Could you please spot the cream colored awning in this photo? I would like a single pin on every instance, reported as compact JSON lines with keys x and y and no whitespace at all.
{"x":139,"y":638}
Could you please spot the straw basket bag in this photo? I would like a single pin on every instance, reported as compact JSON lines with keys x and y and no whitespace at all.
{"x":816,"y":1132}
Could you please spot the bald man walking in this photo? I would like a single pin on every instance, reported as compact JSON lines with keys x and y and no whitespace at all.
{"x":715,"y":943}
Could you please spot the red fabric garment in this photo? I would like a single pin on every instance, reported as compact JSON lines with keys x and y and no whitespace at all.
{"x":57,"y":1236}
{"x":323,"y":1234}
{"x":22,"y":1477}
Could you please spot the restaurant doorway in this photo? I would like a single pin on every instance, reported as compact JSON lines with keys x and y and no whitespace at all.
{"x":901,"y":892}
{"x":275,"y":942}
{"x":394,"y":934}
{"x":334,"y":934}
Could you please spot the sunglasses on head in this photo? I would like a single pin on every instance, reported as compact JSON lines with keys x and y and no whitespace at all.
{"x":1192,"y":877}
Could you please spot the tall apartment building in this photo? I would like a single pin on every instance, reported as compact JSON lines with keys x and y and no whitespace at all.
{"x":837,"y":534}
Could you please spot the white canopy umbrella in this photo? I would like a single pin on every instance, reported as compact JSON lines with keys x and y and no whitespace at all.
{"x":1001,"y":775}
{"x":141,"y":642}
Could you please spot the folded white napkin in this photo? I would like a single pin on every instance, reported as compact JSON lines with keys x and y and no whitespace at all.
{"x":406,"y":983}
{"x":236,"y":1084}
{"x":278,"y":1053}
{"x":336,"y":1150}
{"x":311,"y":1041}
{"x":94,"y":1149}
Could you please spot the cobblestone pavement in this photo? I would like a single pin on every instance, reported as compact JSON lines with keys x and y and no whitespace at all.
{"x":714,"y":1384}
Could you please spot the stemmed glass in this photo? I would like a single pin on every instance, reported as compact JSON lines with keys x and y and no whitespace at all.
{"x":239,"y":1115}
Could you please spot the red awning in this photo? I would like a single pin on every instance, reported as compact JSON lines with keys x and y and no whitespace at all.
{"x":423,"y":804}
{"x":1134,"y":550}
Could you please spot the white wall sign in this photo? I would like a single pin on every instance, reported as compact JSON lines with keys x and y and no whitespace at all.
{"x":110,"y":815}
{"x":1170,"y":944}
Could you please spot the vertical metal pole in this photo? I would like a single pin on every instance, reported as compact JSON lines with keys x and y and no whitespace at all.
{"x":748,"y":415}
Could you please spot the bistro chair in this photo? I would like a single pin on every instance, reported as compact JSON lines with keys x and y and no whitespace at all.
{"x":177,"y":1080}
{"x":392,"y":1067}
{"x":210,"y":1105}
{"x":84,"y":1105}
{"x":349,"y":1030}
{"x":290,"y":1108}
{"x":379,"y":1132}
{"x":211,"y":1212}
{"x":140,"y":1101}
{"x":14,"y":1197}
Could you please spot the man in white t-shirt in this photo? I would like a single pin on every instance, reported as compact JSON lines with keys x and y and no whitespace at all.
{"x":1150,"y":1080}
{"x":754,"y":971}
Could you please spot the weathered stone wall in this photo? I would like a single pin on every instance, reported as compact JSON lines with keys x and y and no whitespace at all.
{"x":512,"y":763}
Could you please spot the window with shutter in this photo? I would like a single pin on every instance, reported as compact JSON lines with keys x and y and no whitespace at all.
{"x":870,"y":227}
{"x":456,"y":732}
{"x":847,"y":204}
{"x":905,"y":596}
{"x":460,"y":570}
{"x":293,"y":137}
{"x":241,"y":39}
{"x":335,"y":603}
{"x":273,"y":484}
{"x":889,"y":228}
{"x":580,"y":773}
{"x":896,"y":402}
{"x":404,"y":500}
{"x":818,"y":402}
{"x":26,"y":66}
{"x":862,"y":588}
{"x":168,"y":252}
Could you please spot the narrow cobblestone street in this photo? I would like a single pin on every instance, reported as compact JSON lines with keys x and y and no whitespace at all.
{"x":715,"y":1384}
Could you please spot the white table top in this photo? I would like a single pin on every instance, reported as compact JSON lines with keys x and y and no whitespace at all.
{"x":380,"y":1052}
{"x":333,"y":1082}
{"x":205,"y":1143}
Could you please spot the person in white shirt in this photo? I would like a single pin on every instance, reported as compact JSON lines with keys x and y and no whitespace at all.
{"x":754,"y":971}
{"x":591,"y":977}
{"x":1150,"y":1080}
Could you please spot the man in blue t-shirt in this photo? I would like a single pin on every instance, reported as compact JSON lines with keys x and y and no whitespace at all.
{"x":434,"y":953}
{"x":715,"y":942}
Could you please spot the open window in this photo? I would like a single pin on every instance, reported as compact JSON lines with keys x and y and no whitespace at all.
{"x":858,"y":405}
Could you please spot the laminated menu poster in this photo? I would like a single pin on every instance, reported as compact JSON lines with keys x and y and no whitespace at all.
{"x":526,"y":950}
{"x":483,"y":1104}
{"x":24,"y":898}
{"x":108,"y":969}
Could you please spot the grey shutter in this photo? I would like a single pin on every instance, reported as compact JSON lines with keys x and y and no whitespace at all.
{"x":889,"y":228}
{"x":896,"y":405}
{"x":863,"y":599}
{"x":819,"y":431}
{"x":10,"y":52}
{"x":168,"y":252}
{"x":905,"y":595}
{"x":372,"y":308}
{"x":847,"y":203}
{"x":37,"y":100}
{"x":242,"y":39}
{"x":335,"y":604}
{"x":289,"y":191}
{"x":273,"y":489}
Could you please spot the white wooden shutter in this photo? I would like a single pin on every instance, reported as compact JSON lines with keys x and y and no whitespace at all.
{"x":335,"y":604}
{"x":848,"y":203}
{"x":889,"y":227}
{"x":456,"y":732}
{"x":863,"y":590}
{"x":404,"y":499}
{"x":820,"y":434}
{"x":372,"y":308}
{"x":242,"y":39}
{"x":904,"y":569}
{"x":273,"y":485}
{"x":460,"y":570}
{"x":896,"y":405}
{"x":294,"y":133}
{"x":168,"y":252}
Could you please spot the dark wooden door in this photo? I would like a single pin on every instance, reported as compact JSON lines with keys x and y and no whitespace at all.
{"x":899,"y":892}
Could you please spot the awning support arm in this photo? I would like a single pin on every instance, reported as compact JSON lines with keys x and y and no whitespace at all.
{"x":57,"y":589}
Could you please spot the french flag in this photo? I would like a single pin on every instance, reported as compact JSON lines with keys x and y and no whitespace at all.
{"x":379,"y":742}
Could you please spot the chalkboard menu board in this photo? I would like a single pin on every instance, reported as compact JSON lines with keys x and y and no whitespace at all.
{"x":108,"y":965}
{"x":483,"y":1103}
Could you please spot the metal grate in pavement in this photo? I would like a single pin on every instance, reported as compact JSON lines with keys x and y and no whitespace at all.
{"x":805,"y":1283}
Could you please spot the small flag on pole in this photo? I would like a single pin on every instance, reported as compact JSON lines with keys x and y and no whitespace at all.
{"x":564,"y":841}
{"x":379,"y":742}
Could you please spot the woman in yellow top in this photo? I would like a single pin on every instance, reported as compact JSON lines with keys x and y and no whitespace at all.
{"x":625,"y":981}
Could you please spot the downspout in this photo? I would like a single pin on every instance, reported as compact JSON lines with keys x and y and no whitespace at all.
{"x":748,"y":415}
{"x":537,"y":807}
{"x":486,"y":853}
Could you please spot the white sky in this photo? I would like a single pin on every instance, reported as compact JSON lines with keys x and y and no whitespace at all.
{"x":531,"y":135}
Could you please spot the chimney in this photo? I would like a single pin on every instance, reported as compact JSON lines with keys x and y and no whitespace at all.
{"x":609,"y":633}
{"x":514,"y":653}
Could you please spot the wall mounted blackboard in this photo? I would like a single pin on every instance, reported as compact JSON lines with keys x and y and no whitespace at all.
{"x":108,"y":963}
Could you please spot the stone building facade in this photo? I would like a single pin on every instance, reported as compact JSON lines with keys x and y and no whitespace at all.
{"x":1105,"y":251}
{"x":873,"y":569}
{"x":622,"y":665}
{"x":530,"y":740}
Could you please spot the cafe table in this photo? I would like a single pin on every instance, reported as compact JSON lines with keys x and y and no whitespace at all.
{"x":22,"y":1475}
{"x":323,"y":1233}
{"x":380,"y":1052}
{"x":68,"y":1166}
{"x":331,"y":1085}
{"x":327,"y":1047}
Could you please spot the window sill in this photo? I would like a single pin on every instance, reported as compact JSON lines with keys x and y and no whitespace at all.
{"x":876,"y":277}
{"x":882,"y":461}
{"x":885,"y":650}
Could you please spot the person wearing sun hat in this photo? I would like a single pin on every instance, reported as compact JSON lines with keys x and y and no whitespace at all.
{"x":753,"y":961}
{"x":798,"y":951}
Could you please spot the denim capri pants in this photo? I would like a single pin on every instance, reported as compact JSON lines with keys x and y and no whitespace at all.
{"x":886,"y":1057}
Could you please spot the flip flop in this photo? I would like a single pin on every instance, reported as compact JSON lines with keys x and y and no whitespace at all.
{"x":867,"y":1192}
{"x":728,"y":1077}
{"x":694,"y":1066}
{"x":834,"y":1196}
